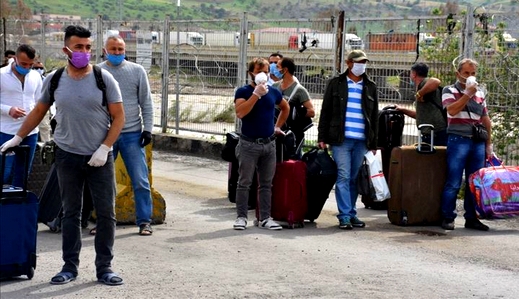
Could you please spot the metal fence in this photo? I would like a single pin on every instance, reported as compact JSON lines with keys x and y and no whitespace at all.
{"x":195,"y":66}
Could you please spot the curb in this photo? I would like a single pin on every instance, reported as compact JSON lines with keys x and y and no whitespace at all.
{"x":195,"y":146}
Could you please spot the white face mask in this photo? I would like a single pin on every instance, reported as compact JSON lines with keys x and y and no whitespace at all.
{"x":40,"y":71}
{"x":358,"y":69}
{"x":10,"y":60}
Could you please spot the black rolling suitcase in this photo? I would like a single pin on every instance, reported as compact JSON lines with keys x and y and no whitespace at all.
{"x":390,"y":130}
{"x":50,"y":199}
{"x":39,"y":171}
{"x":321,"y":176}
{"x":232,"y":184}
{"x":51,"y":206}
{"x":18,"y":225}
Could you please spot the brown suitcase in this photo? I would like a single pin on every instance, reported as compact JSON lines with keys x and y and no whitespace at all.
{"x":416,"y":178}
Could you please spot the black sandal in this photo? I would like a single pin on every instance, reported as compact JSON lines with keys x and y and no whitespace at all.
{"x":145,"y":229}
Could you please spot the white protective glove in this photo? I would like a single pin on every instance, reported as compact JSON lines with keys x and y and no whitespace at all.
{"x":261,"y":90}
{"x":15,"y":141}
{"x":99,"y":157}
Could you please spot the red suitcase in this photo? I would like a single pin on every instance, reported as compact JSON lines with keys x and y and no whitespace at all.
{"x":289,"y":202}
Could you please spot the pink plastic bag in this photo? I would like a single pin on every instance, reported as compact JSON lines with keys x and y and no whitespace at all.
{"x":496,"y":190}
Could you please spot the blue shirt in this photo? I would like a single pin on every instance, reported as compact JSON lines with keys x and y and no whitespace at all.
{"x":259,"y":123}
{"x":354,"y":127}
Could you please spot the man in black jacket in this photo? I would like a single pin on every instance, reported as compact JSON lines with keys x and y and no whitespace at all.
{"x":349,"y":123}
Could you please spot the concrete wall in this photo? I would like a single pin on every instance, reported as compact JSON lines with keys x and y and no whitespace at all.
{"x":186,"y":144}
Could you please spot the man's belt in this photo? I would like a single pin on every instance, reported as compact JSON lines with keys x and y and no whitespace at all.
{"x":265,"y":140}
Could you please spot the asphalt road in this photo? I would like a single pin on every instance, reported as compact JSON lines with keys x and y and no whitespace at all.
{"x":197,"y":254}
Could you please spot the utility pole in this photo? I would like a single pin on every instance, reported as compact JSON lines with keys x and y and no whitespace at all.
{"x":121,"y":10}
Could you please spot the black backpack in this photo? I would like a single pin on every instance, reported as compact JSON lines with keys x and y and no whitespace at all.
{"x":442,"y":109}
{"x":54,"y":82}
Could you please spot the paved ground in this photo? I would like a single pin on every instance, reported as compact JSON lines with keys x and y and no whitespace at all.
{"x":196,"y":254}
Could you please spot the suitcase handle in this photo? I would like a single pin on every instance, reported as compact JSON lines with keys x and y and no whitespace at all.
{"x":21,"y":149}
{"x":420,"y":142}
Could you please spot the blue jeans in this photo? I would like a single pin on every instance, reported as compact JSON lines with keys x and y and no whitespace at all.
{"x":73,"y":173}
{"x":255,"y":157}
{"x":440,"y":138}
{"x":134,"y":157}
{"x":348,"y":156}
{"x":14,"y":165}
{"x":463,"y":154}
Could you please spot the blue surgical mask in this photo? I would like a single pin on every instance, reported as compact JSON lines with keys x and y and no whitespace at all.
{"x":411,"y":82}
{"x":21,"y":70}
{"x":115,"y":59}
{"x":274,"y":70}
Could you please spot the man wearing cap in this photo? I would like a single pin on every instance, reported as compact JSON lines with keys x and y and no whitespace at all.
{"x":349,"y":124}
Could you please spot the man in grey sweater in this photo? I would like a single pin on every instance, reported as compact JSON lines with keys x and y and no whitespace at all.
{"x":136,"y":134}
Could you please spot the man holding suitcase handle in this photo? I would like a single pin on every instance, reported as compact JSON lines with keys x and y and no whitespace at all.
{"x":466,"y":106}
{"x":428,"y":104}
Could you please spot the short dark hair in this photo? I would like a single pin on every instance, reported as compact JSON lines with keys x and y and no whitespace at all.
{"x":289,"y":64}
{"x":277,"y":54}
{"x":9,"y":52}
{"x":76,"y":30}
{"x":28,"y":50}
{"x":421,"y":69}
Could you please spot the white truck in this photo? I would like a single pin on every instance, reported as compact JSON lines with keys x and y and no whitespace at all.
{"x":186,"y":37}
{"x":221,"y":38}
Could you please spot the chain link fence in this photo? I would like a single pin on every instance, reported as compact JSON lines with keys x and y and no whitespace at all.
{"x":194,"y":66}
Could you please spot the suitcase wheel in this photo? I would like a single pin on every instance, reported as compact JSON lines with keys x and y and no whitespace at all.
{"x":30,"y":275}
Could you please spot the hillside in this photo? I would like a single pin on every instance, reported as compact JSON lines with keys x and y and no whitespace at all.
{"x":155,"y":10}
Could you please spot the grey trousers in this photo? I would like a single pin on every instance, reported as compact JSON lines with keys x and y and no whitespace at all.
{"x":255,"y":157}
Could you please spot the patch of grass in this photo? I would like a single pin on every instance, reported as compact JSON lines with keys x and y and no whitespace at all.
{"x":227,"y":115}
{"x":201,"y":117}
{"x":393,"y":81}
{"x":184,"y":114}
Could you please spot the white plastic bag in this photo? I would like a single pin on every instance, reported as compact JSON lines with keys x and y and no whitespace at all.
{"x":377,"y":177}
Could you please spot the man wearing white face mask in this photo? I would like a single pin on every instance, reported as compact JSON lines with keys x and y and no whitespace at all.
{"x":20,"y":88}
{"x":349,"y":123}
{"x":256,"y":150}
{"x":466,"y":106}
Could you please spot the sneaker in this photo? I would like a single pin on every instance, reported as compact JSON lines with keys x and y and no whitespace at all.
{"x":240,"y":223}
{"x":345,"y":224}
{"x":475,"y":224}
{"x":448,"y":224}
{"x":356,"y":222}
{"x":269,"y":224}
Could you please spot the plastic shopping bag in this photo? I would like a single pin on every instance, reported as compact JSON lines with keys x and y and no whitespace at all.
{"x":496,"y":190}
{"x":377,"y":177}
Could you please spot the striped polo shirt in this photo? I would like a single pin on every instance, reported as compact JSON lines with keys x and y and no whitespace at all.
{"x":354,"y":127}
{"x":461,"y":123}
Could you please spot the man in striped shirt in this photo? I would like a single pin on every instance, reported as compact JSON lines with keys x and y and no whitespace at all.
{"x":466,"y":106}
{"x":349,"y":123}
